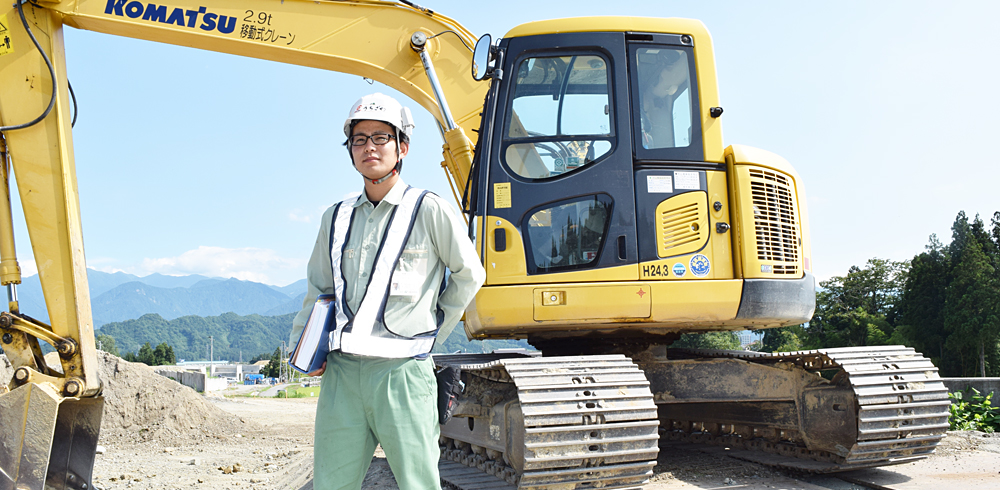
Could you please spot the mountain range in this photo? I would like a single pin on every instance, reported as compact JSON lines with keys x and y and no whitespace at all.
{"x":119,"y":296}
{"x":243,"y":318}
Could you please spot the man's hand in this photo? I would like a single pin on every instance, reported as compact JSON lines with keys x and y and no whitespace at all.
{"x":318,"y":372}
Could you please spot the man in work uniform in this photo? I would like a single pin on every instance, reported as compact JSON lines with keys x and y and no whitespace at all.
{"x":384,"y":254}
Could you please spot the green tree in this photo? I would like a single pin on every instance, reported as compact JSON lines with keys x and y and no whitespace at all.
{"x":106,"y":343}
{"x":970,"y":308}
{"x":163,"y":355}
{"x":921,"y":305}
{"x":708,"y":340}
{"x":146,"y":355}
{"x":273,"y":368}
{"x":859,"y":308}
{"x":948,"y":309}
{"x":784,"y":339}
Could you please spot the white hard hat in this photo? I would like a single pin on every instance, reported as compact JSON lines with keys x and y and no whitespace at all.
{"x":380,"y":107}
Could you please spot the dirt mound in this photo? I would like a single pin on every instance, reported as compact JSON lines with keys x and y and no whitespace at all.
{"x":6,"y":371}
{"x":141,"y":405}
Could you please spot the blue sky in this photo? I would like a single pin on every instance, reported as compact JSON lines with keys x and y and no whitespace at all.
{"x":196,"y":162}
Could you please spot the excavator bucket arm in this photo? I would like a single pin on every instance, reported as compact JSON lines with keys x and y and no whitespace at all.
{"x":51,"y":417}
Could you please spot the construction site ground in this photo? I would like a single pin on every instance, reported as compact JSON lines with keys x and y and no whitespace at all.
{"x":158,"y":434}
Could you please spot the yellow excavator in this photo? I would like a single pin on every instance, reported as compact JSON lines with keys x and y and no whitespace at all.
{"x":587,"y":156}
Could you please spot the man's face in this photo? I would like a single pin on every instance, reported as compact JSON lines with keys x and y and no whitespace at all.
{"x":670,"y":79}
{"x":376,"y":161}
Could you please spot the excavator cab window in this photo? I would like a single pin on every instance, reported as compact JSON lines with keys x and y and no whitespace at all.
{"x":560,"y":115}
{"x":664,"y":101}
{"x":664,"y":98}
{"x":568,"y":235}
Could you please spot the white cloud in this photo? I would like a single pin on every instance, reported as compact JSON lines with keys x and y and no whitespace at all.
{"x":104,"y":264}
{"x":296,"y":215}
{"x":248,"y":264}
{"x":108,"y":269}
{"x":28,"y":267}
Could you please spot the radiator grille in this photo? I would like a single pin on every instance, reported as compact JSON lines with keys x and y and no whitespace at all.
{"x":775,"y":220}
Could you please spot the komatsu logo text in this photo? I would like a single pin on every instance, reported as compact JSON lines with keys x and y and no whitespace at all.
{"x":165,"y":15}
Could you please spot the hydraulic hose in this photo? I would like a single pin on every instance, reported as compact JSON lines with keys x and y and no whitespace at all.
{"x":52,"y":74}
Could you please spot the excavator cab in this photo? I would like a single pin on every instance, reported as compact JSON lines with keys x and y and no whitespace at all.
{"x":606,"y":197}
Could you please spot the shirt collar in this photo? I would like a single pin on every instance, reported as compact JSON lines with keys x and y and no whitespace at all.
{"x":394,"y":197}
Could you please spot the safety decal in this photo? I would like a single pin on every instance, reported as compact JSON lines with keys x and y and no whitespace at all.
{"x":659,"y":184}
{"x":687,"y":180}
{"x":679,"y":269}
{"x":700,"y":266}
{"x":5,"y":46}
{"x":501,"y":195}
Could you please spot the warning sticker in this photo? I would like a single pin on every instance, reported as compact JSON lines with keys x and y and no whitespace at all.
{"x":659,"y":184}
{"x":5,"y":46}
{"x":687,"y":180}
{"x":501,"y":195}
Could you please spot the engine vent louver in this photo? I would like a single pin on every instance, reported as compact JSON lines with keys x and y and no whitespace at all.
{"x":682,"y":224}
{"x":775,"y":220}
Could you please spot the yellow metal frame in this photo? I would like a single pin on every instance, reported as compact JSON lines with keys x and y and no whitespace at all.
{"x":673,"y":306}
{"x":365,"y":38}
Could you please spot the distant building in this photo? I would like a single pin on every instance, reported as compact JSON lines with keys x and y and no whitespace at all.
{"x":748,"y":337}
{"x":223,"y":369}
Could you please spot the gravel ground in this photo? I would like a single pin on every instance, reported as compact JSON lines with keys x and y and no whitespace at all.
{"x":279,"y":457}
{"x":158,"y":434}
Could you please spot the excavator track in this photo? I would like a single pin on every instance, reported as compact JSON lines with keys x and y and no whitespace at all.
{"x":901,"y":409}
{"x":552,"y":422}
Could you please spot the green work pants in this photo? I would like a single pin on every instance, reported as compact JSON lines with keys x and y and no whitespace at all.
{"x":365,"y":401}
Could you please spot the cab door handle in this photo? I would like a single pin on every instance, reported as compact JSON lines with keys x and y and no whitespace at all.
{"x":499,"y":239}
{"x":621,"y":248}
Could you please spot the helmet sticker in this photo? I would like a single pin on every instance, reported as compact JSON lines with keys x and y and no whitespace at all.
{"x":370,"y":107}
{"x":380,"y":107}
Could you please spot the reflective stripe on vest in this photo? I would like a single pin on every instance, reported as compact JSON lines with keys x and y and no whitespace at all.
{"x":365,"y":333}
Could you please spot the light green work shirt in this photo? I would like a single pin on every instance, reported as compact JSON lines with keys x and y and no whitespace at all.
{"x":438,"y":241}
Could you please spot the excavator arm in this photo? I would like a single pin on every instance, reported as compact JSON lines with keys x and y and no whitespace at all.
{"x":395,"y":43}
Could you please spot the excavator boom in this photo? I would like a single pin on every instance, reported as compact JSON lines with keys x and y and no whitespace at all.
{"x":38,"y":152}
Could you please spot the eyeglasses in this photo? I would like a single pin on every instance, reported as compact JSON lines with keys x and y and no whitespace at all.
{"x":361,"y":140}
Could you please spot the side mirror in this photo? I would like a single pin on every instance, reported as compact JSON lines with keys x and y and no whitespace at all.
{"x":481,"y":57}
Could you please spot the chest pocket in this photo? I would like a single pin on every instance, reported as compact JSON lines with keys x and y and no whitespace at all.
{"x":409,"y":276}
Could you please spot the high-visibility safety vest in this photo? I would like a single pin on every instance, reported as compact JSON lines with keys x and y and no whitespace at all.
{"x":364,"y":332}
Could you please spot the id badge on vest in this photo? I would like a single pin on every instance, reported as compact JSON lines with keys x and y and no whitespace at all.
{"x":405,"y":285}
{"x":408,"y":278}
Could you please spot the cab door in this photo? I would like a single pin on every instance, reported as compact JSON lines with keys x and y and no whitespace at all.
{"x":559,"y":182}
